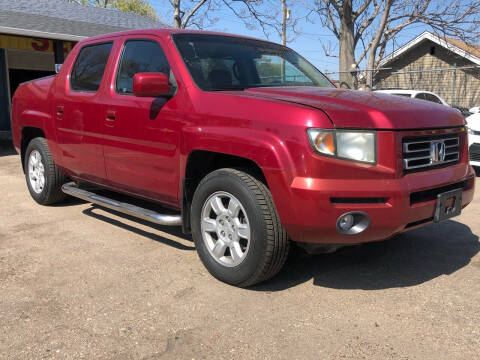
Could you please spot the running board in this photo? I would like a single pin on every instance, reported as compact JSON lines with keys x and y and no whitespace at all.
{"x":129,"y":209}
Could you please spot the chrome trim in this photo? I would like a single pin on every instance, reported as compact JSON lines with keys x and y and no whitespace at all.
{"x":129,"y":209}
{"x":407,"y":167}
{"x":361,"y":223}
{"x":406,"y":144}
{"x":439,"y":151}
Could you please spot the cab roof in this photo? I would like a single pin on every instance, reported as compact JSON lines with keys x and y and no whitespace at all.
{"x":166,"y":32}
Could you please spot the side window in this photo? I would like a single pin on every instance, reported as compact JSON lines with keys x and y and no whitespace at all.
{"x":89,"y":67}
{"x":420,"y":96}
{"x":432,"y":98}
{"x":139,"y":56}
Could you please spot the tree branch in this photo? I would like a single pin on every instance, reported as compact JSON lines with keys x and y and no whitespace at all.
{"x":192,"y":13}
{"x":362,"y":8}
{"x":367,"y":22}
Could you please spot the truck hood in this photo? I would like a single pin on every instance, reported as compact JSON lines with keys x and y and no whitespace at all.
{"x":359,"y":109}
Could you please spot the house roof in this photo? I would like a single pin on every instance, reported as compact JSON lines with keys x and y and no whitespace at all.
{"x":468,"y":51}
{"x":472,"y":49}
{"x":57,"y":19}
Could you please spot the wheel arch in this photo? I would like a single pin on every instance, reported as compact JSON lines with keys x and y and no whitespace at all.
{"x":28,"y":134}
{"x":199,"y":163}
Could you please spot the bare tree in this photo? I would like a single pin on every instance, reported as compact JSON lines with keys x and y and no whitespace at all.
{"x":364,"y":28}
{"x":185,"y":12}
{"x":264,"y":13}
{"x":269,"y":15}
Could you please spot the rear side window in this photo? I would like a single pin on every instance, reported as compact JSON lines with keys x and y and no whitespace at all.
{"x":420,"y":96}
{"x":89,"y":67}
{"x":140,"y":56}
{"x":432,"y":98}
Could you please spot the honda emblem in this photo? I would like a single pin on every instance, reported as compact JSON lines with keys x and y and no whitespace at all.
{"x":437,"y":152}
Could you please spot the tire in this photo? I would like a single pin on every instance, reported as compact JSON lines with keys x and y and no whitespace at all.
{"x":259,"y":245}
{"x":39,"y":165}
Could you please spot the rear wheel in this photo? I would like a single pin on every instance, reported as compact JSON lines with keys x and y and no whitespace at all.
{"x":236,"y":228}
{"x":44,"y":180}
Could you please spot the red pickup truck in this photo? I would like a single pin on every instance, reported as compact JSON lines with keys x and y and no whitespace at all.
{"x":248,"y":145}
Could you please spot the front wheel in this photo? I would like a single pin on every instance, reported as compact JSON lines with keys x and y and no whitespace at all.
{"x":44,"y":180}
{"x":236,"y":228}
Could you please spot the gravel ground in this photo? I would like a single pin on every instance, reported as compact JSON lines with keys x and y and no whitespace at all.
{"x":77,"y":281}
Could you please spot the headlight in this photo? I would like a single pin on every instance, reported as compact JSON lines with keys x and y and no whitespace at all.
{"x":344,"y":144}
{"x":470,"y":131}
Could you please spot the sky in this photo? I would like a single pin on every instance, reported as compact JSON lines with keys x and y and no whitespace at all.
{"x":308,"y":43}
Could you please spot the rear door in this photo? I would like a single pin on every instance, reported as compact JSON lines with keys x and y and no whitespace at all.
{"x":78,"y":113}
{"x":142,"y":133}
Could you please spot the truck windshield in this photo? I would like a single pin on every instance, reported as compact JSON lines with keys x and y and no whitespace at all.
{"x":229,"y":63}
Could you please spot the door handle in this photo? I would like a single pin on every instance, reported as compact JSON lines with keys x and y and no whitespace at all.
{"x":111,"y":115}
{"x":110,"y":118}
{"x":60,"y":112}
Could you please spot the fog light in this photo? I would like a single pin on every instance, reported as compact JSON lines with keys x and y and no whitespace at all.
{"x":353,"y":223}
{"x":346,"y":222}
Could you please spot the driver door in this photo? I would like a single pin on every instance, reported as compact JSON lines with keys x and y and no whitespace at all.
{"x":142,"y":133}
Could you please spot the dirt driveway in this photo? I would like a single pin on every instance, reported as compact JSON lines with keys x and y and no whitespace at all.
{"x":77,"y":281}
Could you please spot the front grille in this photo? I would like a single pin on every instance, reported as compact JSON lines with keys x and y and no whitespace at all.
{"x":474,"y":151}
{"x":431,"y":194}
{"x":427,"y":152}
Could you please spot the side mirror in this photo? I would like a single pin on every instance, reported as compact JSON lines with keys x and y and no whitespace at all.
{"x":151,"y":84}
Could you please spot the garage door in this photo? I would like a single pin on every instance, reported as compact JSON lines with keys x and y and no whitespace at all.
{"x":31,"y":60}
{"x":4,"y":100}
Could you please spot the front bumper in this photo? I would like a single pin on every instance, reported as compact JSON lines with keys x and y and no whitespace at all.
{"x":319,"y":203}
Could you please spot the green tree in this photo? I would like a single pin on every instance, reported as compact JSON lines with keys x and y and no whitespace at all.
{"x":140,"y":7}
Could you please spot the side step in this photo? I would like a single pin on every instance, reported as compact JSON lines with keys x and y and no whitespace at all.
{"x":129,"y":209}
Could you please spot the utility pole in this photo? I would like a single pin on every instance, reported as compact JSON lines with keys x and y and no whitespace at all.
{"x":454,"y":81}
{"x":284,"y":22}
{"x":285,"y":17}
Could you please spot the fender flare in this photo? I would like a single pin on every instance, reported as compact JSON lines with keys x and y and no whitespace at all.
{"x":263,"y":148}
{"x":43,"y":121}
